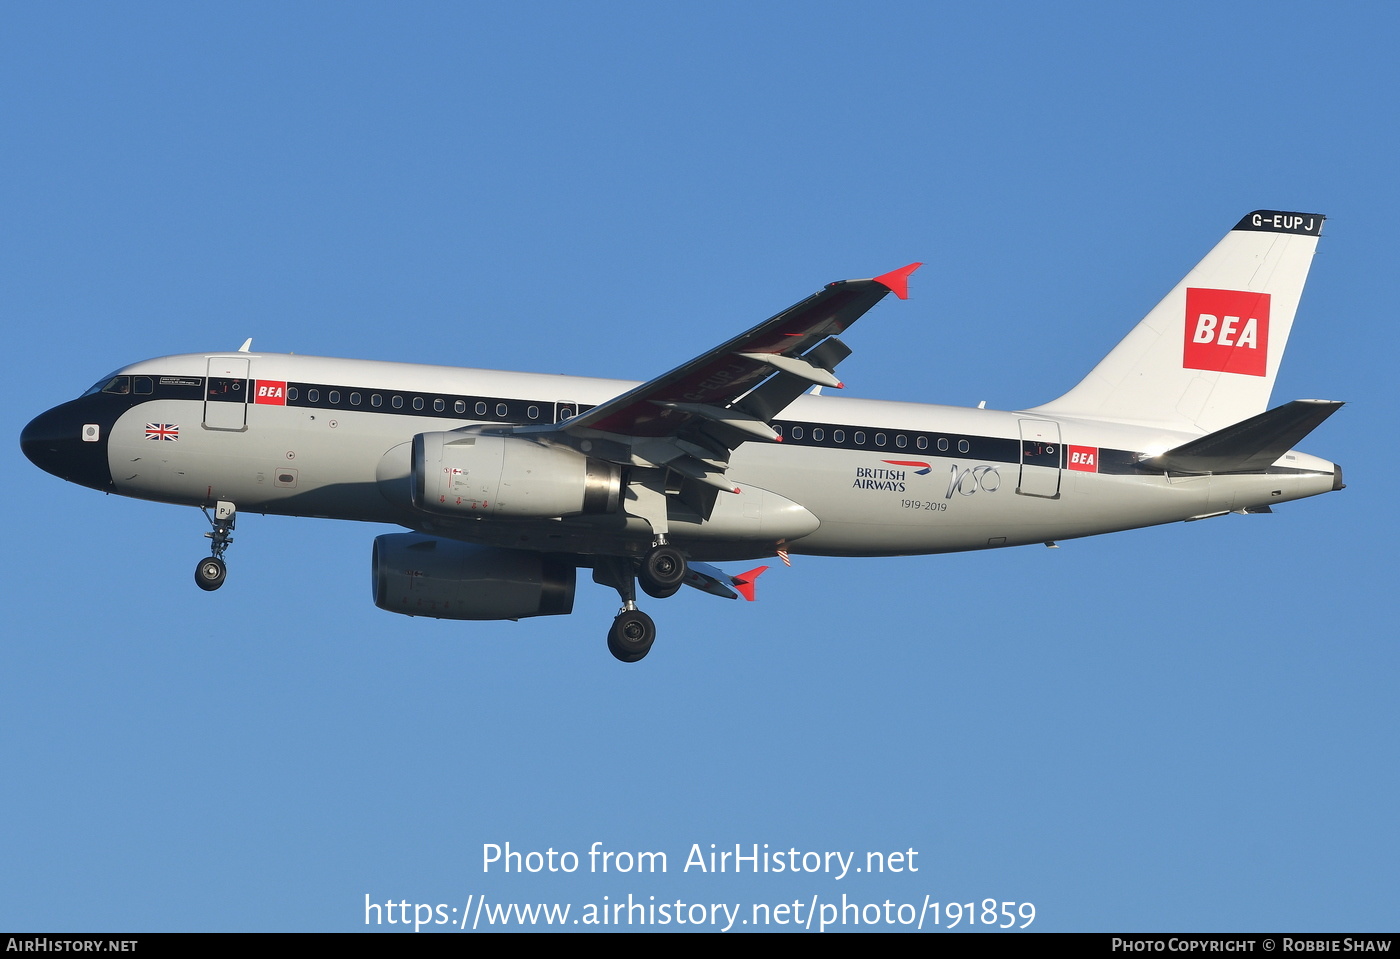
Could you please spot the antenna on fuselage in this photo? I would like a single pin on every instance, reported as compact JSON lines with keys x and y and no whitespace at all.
{"x":247,"y":345}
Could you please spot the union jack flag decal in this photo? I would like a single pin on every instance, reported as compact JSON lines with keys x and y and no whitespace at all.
{"x":163,"y":431}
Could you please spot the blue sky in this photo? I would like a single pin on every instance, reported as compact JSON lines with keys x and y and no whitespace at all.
{"x":1184,"y":728}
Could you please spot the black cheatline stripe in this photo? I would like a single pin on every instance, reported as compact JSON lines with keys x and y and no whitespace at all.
{"x":995,"y":449}
{"x":516,"y":411}
{"x":992,"y":449}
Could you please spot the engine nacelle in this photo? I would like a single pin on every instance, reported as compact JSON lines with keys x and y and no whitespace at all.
{"x":426,"y":576}
{"x":476,"y":473}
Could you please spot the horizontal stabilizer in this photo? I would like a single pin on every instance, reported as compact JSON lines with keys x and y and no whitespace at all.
{"x":745,"y":582}
{"x":716,"y":582}
{"x":1250,"y":445}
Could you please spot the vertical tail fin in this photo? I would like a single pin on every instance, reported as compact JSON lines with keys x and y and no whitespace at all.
{"x":1206,"y":356}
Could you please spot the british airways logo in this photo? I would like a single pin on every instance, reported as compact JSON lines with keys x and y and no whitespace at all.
{"x":1226,"y":331}
{"x":919,"y":467}
{"x":891,"y":481}
{"x":868,"y":477}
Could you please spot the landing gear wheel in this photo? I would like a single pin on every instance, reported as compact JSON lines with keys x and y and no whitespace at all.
{"x":662,"y":568}
{"x":210,"y":573}
{"x":631,"y":635}
{"x":656,"y":592}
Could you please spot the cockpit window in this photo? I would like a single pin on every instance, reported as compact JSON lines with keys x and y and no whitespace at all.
{"x":117,"y":384}
{"x":102,"y":385}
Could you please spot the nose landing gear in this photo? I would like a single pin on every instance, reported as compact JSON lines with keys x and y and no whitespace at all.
{"x":210,"y":573}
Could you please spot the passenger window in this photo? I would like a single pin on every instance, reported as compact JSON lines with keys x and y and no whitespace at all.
{"x":533,"y":412}
{"x":900,"y":441}
{"x":354,"y":399}
{"x":481,"y":409}
{"x":860,"y":437}
{"x":565,"y":412}
{"x":797,"y":432}
{"x":418,"y":402}
{"x":879,"y":439}
{"x":335,"y":397}
{"x":396,"y":402}
{"x":439,"y":405}
{"x":459,"y":406}
{"x":818,"y":434}
{"x":313,"y":396}
{"x":501,"y":410}
{"x":922,"y":443}
{"x":292,"y":393}
{"x":838,"y":436}
{"x":943,"y":444}
{"x":376,"y":400}
{"x":963,"y":446}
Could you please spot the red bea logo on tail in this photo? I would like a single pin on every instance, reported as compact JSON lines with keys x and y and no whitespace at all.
{"x":1227,"y":330}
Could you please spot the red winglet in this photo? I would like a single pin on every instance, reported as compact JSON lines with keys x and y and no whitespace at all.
{"x":898,"y":280}
{"x":744,"y":582}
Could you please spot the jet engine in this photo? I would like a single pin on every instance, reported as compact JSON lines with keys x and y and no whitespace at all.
{"x":426,"y":576}
{"x":509,"y":476}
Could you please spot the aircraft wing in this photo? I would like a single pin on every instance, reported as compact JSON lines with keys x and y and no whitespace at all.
{"x":797,"y":346}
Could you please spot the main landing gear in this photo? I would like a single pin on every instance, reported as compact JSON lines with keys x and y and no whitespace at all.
{"x":211,"y":572}
{"x":631,"y":635}
{"x":661,"y":572}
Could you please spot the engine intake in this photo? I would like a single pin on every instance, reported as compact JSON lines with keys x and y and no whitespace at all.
{"x":425,"y":576}
{"x":467,"y":472}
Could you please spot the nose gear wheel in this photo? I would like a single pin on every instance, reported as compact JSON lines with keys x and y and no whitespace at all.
{"x":210,"y":573}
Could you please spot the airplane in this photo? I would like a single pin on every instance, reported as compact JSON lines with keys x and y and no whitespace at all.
{"x":509,"y":483}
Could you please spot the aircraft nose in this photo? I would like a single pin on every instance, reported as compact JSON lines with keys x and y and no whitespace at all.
{"x":42,"y":442}
{"x":68,"y":444}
